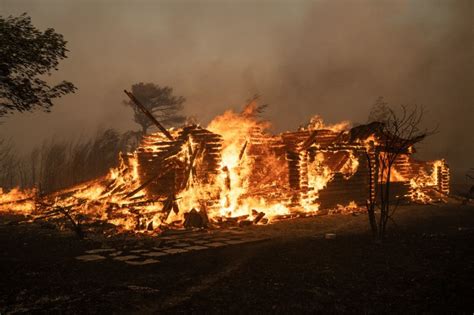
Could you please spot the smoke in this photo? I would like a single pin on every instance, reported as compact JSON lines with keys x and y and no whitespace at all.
{"x":332,"y":58}
{"x":346,"y":53}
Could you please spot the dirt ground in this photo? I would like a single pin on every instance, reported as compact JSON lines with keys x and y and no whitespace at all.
{"x":425,"y":265}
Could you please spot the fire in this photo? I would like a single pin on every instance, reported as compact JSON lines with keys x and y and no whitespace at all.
{"x":317,"y":123}
{"x":9,"y":201}
{"x":233,"y":183}
{"x":424,"y":181}
{"x":234,"y":169}
{"x":235,"y":130}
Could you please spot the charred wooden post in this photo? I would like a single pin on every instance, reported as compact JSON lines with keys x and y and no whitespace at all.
{"x":242,"y":151}
{"x":294,"y":175}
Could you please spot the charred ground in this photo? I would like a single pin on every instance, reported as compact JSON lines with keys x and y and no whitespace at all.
{"x":425,"y":265}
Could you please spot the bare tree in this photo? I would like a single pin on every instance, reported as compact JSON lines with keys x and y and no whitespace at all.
{"x":397,"y":133}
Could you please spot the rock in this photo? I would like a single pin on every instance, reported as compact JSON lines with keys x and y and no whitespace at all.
{"x":330,"y":236}
{"x":196,"y":247}
{"x":116,"y":253}
{"x":142,"y":262}
{"x":215,"y":244}
{"x":100,"y":250}
{"x":90,"y":257}
{"x":139,"y":251}
{"x":125,"y":258}
{"x":155,"y":254}
{"x":175,"y":250}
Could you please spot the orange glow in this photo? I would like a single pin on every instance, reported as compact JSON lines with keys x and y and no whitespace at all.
{"x":253,"y":175}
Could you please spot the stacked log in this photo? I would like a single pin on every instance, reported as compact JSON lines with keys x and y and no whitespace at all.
{"x":209,"y":164}
{"x":155,"y":151}
{"x":153,"y":154}
{"x":403,"y":166}
{"x":341,"y":190}
{"x":269,"y":177}
{"x":302,"y":148}
{"x":292,"y":141}
{"x":443,"y":178}
{"x":439,"y":170}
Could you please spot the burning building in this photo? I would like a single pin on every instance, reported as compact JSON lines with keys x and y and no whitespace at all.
{"x":234,"y":170}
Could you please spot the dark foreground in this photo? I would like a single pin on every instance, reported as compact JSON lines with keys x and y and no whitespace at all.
{"x":426,"y":265}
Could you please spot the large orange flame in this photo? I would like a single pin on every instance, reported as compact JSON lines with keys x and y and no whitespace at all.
{"x":249,"y":173}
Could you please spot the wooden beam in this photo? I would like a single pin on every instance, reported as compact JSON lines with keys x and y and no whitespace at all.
{"x":148,"y":114}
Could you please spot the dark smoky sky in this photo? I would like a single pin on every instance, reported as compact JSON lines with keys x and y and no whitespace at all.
{"x":332,"y":58}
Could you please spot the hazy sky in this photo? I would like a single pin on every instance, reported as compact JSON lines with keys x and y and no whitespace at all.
{"x":332,"y":58}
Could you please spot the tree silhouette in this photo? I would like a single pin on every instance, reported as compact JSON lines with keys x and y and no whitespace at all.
{"x":26,"y":55}
{"x":160,"y":101}
{"x":398,"y":132}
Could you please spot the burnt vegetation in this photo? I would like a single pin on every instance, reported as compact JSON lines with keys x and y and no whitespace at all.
{"x":56,"y":164}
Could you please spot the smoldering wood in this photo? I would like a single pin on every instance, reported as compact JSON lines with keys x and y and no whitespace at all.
{"x":242,"y":151}
{"x":258,"y":217}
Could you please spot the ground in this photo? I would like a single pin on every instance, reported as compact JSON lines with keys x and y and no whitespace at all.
{"x":425,"y":265}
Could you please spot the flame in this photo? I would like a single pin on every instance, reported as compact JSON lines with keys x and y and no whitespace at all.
{"x":17,"y":201}
{"x":424,"y":180}
{"x":236,"y":169}
{"x":317,"y":123}
{"x":252,"y":178}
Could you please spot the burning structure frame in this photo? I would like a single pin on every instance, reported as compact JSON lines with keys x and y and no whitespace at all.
{"x":234,"y":171}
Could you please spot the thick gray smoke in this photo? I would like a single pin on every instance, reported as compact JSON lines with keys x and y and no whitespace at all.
{"x":332,"y":58}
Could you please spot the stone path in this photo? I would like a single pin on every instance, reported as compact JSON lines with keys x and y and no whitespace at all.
{"x":172,"y":245}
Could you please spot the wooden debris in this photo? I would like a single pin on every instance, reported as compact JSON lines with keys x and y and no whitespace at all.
{"x":193,"y":219}
{"x":243,"y":223}
{"x":242,"y":151}
{"x":258,"y":218}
